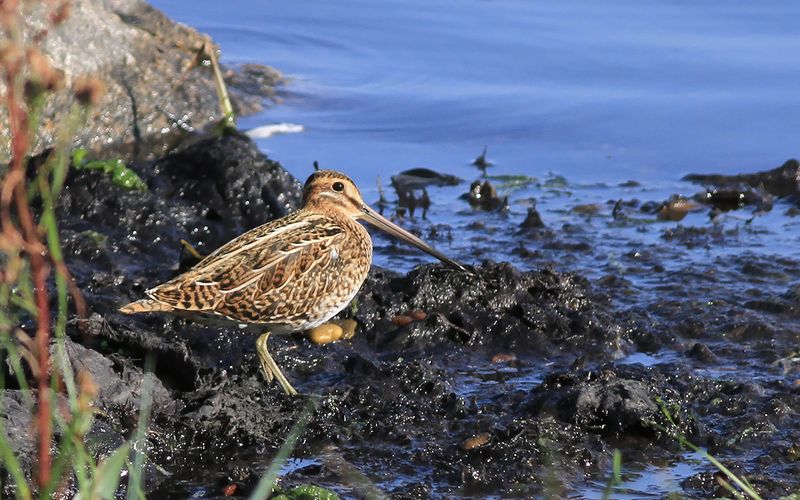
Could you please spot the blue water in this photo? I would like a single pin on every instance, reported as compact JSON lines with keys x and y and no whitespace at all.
{"x":601,"y":91}
{"x":598,"y":92}
{"x":653,"y":482}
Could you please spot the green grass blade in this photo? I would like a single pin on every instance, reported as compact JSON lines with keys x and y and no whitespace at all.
{"x":107,"y":477}
{"x":743,"y":484}
{"x":267,"y":482}
{"x":616,"y":475}
{"x":9,"y":460}
{"x":135,"y":490}
{"x":11,"y":464}
{"x":19,"y":374}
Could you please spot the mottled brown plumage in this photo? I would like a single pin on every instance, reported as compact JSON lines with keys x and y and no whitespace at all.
{"x":290,"y":274}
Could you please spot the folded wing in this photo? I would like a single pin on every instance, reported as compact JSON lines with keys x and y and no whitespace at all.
{"x":260,"y":275}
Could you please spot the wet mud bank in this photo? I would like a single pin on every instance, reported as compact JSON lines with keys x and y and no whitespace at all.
{"x":520,"y":380}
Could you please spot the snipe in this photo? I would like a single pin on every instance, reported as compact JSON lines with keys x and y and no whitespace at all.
{"x":288,"y":275}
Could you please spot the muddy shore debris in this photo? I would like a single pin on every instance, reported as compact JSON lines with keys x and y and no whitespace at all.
{"x":406,"y":395}
{"x":783,"y":181}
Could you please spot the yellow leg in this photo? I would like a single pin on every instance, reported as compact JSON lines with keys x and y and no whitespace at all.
{"x":270,"y":367}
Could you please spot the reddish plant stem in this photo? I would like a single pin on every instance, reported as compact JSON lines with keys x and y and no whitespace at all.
{"x":39,"y":270}
{"x":74,"y":291}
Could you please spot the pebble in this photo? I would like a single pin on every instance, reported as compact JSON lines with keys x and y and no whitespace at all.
{"x":325,"y":333}
{"x":476,"y":441}
{"x":503,"y":358}
{"x":402,"y":320}
{"x":332,"y":331}
{"x":348,"y":327}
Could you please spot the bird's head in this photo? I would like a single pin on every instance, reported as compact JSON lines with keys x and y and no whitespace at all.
{"x":329,"y":191}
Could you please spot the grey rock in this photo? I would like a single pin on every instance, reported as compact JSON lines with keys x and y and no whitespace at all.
{"x":119,"y":388}
{"x":101,"y":440}
{"x":250,"y":84}
{"x":155,"y":95}
{"x":16,"y":424}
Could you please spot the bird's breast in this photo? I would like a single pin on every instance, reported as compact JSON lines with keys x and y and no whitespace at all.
{"x":332,"y":286}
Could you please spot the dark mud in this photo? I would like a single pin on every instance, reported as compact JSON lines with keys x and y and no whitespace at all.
{"x":513,"y":382}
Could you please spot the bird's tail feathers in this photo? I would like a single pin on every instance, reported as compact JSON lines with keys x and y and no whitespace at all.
{"x":145,"y":305}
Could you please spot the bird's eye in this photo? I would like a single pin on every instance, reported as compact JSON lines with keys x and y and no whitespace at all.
{"x":338,"y":186}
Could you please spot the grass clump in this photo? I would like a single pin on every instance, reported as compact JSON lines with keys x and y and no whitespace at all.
{"x":36,"y":287}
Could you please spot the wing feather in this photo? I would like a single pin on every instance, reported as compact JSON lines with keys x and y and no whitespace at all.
{"x":263,"y":259}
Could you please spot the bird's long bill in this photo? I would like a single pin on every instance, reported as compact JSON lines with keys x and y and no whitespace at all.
{"x":384,"y":224}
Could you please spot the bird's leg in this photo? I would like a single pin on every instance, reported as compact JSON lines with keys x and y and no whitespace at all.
{"x":270,"y":367}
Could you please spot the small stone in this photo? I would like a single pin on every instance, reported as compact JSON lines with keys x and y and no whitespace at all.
{"x":503,"y":358}
{"x":325,"y":333}
{"x":702,"y":353}
{"x":348,"y":327}
{"x":402,"y":320}
{"x":483,"y":195}
{"x":476,"y":441}
{"x":676,"y":209}
{"x":533,"y":220}
{"x":588,"y":209}
{"x":418,"y":315}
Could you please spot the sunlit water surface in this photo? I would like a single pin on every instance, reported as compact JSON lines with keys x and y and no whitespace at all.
{"x":599,"y":93}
